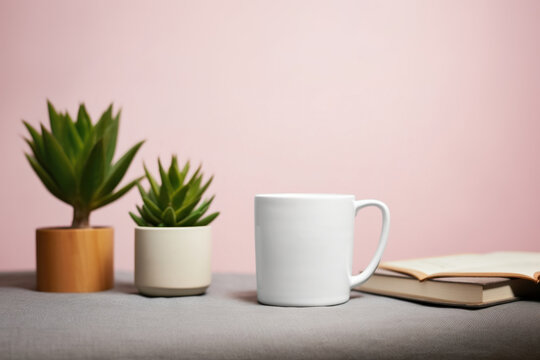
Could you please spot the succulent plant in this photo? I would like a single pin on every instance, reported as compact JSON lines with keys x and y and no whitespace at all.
{"x":174,"y":203}
{"x":75,"y":160}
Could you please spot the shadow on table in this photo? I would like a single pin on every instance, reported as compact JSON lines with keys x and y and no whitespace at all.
{"x":27,"y":280}
{"x":22,"y":280}
{"x":471,"y":308}
{"x":124,"y":287}
{"x":251,"y":296}
{"x":246,"y":296}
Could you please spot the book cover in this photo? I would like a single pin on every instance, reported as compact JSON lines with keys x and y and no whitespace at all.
{"x":471,"y":292}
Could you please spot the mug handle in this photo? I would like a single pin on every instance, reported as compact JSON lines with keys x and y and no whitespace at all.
{"x":356,"y":280}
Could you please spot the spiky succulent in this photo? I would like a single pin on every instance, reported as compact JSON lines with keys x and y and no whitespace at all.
{"x":174,"y":203}
{"x":75,"y":160}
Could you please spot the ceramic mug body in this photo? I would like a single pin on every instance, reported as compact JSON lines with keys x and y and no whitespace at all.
{"x":304,"y":248}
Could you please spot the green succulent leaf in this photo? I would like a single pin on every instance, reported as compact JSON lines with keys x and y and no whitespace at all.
{"x":195,"y":175}
{"x":73,"y":143}
{"x":169,"y":219}
{"x":206,"y":204}
{"x":174,"y":174}
{"x":114,"y":196}
{"x":165,"y":191}
{"x":139,"y":221}
{"x":150,"y":203}
{"x":35,"y":151}
{"x":88,"y":145}
{"x":110,"y":138}
{"x":32,"y":146}
{"x":184,"y":172}
{"x":55,"y":120}
{"x":174,"y":202}
{"x":186,"y":209}
{"x":148,"y":216}
{"x":93,"y":173}
{"x":153,"y":184}
{"x":84,"y":124}
{"x":58,"y":165}
{"x":164,"y":197}
{"x":74,"y":160}
{"x":195,"y":186}
{"x":179,"y":196}
{"x":152,"y":197}
{"x":118,"y":170}
{"x":104,"y":122}
{"x":152,"y":207}
{"x":206,"y":185}
{"x":46,"y":179}
{"x":207,"y":220}
{"x":37,"y":141}
{"x":191,"y":219}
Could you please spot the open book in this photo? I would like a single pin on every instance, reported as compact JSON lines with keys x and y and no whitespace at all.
{"x":452,"y":291}
{"x":509,"y":264}
{"x":469,"y":280}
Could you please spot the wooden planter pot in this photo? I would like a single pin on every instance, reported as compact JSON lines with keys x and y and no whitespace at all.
{"x":74,"y":260}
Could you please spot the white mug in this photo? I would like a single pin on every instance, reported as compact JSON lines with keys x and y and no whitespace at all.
{"x":304,"y":248}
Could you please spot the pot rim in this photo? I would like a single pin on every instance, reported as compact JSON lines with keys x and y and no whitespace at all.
{"x":67,"y":228}
{"x":169,"y":228}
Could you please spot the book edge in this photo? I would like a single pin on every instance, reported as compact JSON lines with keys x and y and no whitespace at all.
{"x":483,"y":289}
{"x":429,"y":291}
{"x":436,"y":301}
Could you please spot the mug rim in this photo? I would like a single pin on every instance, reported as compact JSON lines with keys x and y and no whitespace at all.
{"x":303,"y":196}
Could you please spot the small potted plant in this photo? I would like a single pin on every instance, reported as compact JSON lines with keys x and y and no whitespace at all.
{"x":173,"y":237}
{"x":74,"y":160}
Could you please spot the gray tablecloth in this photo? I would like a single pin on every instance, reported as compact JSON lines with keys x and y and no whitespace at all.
{"x":228,"y":323}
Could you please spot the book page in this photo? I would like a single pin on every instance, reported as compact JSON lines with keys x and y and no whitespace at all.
{"x":505,"y":264}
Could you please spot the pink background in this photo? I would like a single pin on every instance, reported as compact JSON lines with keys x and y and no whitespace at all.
{"x":432,"y":107}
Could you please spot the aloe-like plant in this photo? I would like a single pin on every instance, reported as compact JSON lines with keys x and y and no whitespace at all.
{"x":74,"y":160}
{"x":174,"y":202}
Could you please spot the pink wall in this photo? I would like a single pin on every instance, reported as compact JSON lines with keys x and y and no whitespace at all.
{"x":432,"y":107}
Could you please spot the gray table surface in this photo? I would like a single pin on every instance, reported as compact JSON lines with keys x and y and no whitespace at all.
{"x":228,"y":323}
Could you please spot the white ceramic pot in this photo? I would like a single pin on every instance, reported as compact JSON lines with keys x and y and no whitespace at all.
{"x":173,"y":261}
